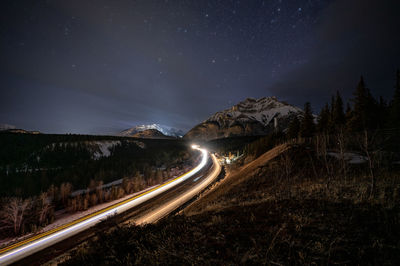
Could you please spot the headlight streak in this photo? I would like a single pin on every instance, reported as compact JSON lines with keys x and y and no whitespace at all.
{"x":20,"y":251}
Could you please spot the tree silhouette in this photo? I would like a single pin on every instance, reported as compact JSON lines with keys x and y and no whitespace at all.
{"x":338,"y":117}
{"x":364,"y":115}
{"x":294,"y":128}
{"x":324,"y":119}
{"x":307,"y":126}
{"x":395,"y":104}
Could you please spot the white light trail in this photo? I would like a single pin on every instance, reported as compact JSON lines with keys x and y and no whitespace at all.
{"x":38,"y":243}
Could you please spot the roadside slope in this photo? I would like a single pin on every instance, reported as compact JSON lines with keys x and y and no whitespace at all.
{"x":233,"y":181}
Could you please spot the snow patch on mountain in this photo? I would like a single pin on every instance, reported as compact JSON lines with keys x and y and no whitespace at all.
{"x":103,"y":148}
{"x":98,"y":149}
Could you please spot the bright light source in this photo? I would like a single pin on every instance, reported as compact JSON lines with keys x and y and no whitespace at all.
{"x":33,"y":245}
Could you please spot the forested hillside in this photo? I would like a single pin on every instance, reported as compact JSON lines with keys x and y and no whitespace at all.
{"x":30,"y":164}
{"x":40,"y":174}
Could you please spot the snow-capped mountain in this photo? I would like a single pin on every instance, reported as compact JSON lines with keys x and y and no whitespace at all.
{"x":12,"y":129}
{"x":167,"y":131}
{"x":247,"y":118}
{"x":6,"y":127}
{"x":151,"y":134}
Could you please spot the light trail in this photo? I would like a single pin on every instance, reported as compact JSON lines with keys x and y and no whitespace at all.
{"x":163,"y":210}
{"x":39,"y":242}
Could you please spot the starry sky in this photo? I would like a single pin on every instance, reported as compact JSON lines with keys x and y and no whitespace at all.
{"x":98,"y":67}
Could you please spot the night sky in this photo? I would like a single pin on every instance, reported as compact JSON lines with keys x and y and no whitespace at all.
{"x":102,"y":66}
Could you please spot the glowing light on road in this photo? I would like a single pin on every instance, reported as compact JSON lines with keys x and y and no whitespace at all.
{"x":27,"y":247}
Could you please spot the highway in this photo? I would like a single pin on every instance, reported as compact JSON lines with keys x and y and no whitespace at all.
{"x":146,"y":207}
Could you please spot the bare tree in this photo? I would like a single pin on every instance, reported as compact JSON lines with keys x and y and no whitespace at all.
{"x":92,"y":185}
{"x":127,"y":185}
{"x":44,"y":207}
{"x":65,"y":191}
{"x":107,"y":195}
{"x":342,"y":146}
{"x":159,"y":176}
{"x":14,"y":213}
{"x":114,"y":193}
{"x":79,"y":202}
{"x":100,"y":191}
{"x":120,"y":192}
{"x":53,"y":193}
{"x":72,"y":205}
{"x":287,"y":163}
{"x":93,"y":199}
{"x":85,"y":203}
{"x":323,"y":155}
{"x":366,"y":144}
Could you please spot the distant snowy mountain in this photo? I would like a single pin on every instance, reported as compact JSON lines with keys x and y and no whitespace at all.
{"x":165,"y":130}
{"x":151,"y":134}
{"x":12,"y":129}
{"x":6,"y":127}
{"x":248,"y":118}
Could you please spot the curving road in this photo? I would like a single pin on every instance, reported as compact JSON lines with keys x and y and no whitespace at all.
{"x":147,"y":207}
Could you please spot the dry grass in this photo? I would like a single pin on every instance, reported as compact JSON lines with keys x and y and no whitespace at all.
{"x":262,"y":215}
{"x":233,"y":179}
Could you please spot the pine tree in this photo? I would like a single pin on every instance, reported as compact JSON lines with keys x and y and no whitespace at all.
{"x":324,"y":119}
{"x":307,"y":126}
{"x":331,"y":125}
{"x":372,"y":112}
{"x":338,"y":117}
{"x":349,"y":116}
{"x":382,"y":113}
{"x":395,"y":104}
{"x":364,"y":115}
{"x":294,"y":128}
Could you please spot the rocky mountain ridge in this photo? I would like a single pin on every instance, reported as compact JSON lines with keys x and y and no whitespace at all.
{"x":247,"y":118}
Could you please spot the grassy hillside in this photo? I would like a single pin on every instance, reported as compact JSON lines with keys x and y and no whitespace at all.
{"x":283,"y":208}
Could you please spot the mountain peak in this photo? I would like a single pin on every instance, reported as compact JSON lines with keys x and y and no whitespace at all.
{"x":249,"y":117}
{"x":151,"y":134}
{"x":262,"y":110}
{"x":165,"y":130}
